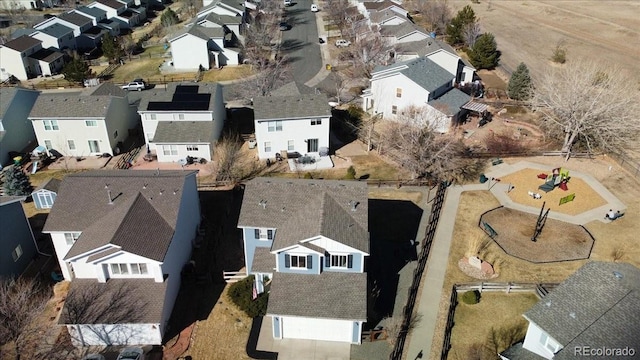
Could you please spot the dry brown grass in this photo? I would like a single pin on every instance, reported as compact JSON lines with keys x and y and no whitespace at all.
{"x":385,"y":193}
{"x":526,"y":180}
{"x":223,"y":335}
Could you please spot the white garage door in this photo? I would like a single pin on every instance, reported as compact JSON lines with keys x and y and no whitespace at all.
{"x":317,"y":329}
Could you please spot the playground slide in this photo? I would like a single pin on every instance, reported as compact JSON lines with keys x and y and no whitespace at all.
{"x":34,"y":167}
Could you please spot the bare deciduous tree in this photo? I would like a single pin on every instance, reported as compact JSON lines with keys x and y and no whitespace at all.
{"x":367,"y":53}
{"x":588,"y":106}
{"x":471,"y":33}
{"x":129,"y":45}
{"x":227,"y":156}
{"x":21,"y":302}
{"x":437,"y":13}
{"x":337,"y":14}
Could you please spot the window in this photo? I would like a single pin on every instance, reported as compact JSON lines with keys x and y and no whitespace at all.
{"x":398,"y":92}
{"x":290,"y":145}
{"x":299,"y":261}
{"x":91,"y":123}
{"x":548,"y":343}
{"x":394,"y":109}
{"x":119,"y":269}
{"x":71,"y":237}
{"x":170,"y":150}
{"x":316,"y":122}
{"x":274,"y":125}
{"x":267,"y":146}
{"x":115,"y":134}
{"x":47,"y":144}
{"x":263,"y":234}
{"x":71,"y":144}
{"x":51,"y":125}
{"x":139,"y":269}
{"x":94,"y":147}
{"x":339,"y":261}
{"x":46,"y":200}
{"x":16,"y":253}
{"x":192,"y":147}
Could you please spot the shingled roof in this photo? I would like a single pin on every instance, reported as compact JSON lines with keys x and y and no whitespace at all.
{"x":70,"y":105}
{"x":75,"y":18}
{"x":450,"y":102}
{"x":597,"y":306}
{"x":329,"y":295}
{"x":196,"y":132}
{"x":423,"y":71}
{"x":301,"y":209}
{"x":52,"y":184}
{"x":22,"y":43}
{"x":180,"y":96}
{"x":290,"y":107}
{"x":140,"y":219}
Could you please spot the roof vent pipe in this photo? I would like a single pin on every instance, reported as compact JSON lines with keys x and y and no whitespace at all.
{"x":353,"y":204}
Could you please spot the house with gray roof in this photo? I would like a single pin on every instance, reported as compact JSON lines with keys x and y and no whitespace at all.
{"x":16,"y":58}
{"x":311,"y":239}
{"x":292,"y":126}
{"x":222,"y":7}
{"x":592,"y":314}
{"x":16,"y":132}
{"x":114,"y":227}
{"x":403,"y":32}
{"x":45,"y":195}
{"x":204,"y":46}
{"x":418,"y":83}
{"x":94,"y":122}
{"x":17,"y":244}
{"x":56,"y":35}
{"x":183,"y":120}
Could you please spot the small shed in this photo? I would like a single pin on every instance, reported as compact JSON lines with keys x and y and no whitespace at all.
{"x":45,"y":195}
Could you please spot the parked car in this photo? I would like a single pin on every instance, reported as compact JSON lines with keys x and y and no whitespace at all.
{"x":343,"y":43}
{"x":131,"y":353}
{"x":314,"y":8}
{"x":137,"y":84}
{"x":284,"y":26}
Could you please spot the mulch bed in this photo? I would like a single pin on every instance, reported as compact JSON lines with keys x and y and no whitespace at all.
{"x":558,"y":241}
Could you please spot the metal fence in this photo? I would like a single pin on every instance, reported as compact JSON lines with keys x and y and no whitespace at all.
{"x":396,"y":353}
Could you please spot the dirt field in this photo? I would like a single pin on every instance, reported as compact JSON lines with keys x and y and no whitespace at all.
{"x":528,"y":31}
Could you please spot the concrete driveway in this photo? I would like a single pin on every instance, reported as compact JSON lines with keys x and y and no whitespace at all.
{"x":293,"y":349}
{"x":300,"y":42}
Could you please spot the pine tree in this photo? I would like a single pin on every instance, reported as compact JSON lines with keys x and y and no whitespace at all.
{"x":16,"y":182}
{"x":111,"y":48}
{"x":484,"y":54}
{"x":169,"y":18}
{"x":76,"y":70}
{"x":463,"y":18}
{"x":520,"y":85}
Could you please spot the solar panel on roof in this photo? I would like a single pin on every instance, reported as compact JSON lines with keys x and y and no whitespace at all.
{"x":188,"y":89}
{"x":182,"y":105}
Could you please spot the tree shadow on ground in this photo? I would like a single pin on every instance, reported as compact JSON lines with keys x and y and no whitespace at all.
{"x":219,"y":251}
{"x":392,"y":226}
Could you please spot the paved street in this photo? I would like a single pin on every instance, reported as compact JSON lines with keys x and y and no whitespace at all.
{"x":300,"y":42}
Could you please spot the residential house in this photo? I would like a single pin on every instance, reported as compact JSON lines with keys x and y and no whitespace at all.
{"x":56,"y":35}
{"x":403,"y":33}
{"x":45,"y":195}
{"x":95,"y":13}
{"x":421,"y":83}
{"x":27,"y":4}
{"x":592,"y":314}
{"x":182,"y":120}
{"x":207,"y":47}
{"x":17,"y":244}
{"x":85,"y":124}
{"x":113,"y":229}
{"x":113,"y":8}
{"x":75,"y":21}
{"x":222,"y":7}
{"x":231,"y":24}
{"x":439,"y":52}
{"x":15,"y":57}
{"x":387,"y":17}
{"x":371,"y":7}
{"x":291,"y":125}
{"x":310,"y":238}
{"x":16,"y":132}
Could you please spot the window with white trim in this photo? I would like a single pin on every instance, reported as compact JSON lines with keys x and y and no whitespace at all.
{"x":339,"y":261}
{"x":263,"y":234}
{"x":71,"y":144}
{"x":548,"y":343}
{"x":50,"y":125}
{"x":17,"y":253}
{"x":316,"y":122}
{"x":394,"y":109}
{"x":299,"y":261}
{"x":170,"y":150}
{"x":267,"y":146}
{"x":192,"y":147}
{"x":274,"y":125}
{"x":71,"y":237}
{"x":139,"y":269}
{"x":398,"y":92}
{"x":119,"y":269}
{"x":290,"y":146}
{"x":91,"y":123}
{"x":48,"y":145}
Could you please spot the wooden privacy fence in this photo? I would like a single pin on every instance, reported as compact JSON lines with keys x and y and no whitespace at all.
{"x":541,"y":290}
{"x":396,"y":353}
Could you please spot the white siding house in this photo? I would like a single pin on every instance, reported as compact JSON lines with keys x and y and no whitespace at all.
{"x":18,"y":135}
{"x":56,"y":36}
{"x":182,"y":120}
{"x":123,"y":234}
{"x":86,"y":124}
{"x":15,"y":57}
{"x":292,"y":125}
{"x":221,"y":7}
{"x":208,"y":47}
{"x":310,"y":237}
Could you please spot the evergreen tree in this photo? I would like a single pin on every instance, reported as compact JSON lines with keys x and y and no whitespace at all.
{"x":520,"y":85}
{"x":16,"y":182}
{"x":169,"y":18}
{"x":455,"y":30}
{"x":76,"y":70}
{"x":484,"y":54}
{"x":111,"y":48}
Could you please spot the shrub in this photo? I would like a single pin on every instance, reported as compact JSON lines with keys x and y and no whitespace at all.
{"x":241,"y":294}
{"x":351,"y":173}
{"x":471,"y":297}
{"x":308,"y":175}
{"x":559,"y":54}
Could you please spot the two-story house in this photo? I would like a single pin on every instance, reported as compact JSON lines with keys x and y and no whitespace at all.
{"x":24,"y":58}
{"x":17,"y":244}
{"x":222,"y":7}
{"x":418,"y":82}
{"x":113,"y":228}
{"x":16,"y":132}
{"x":56,"y":36}
{"x":182,"y":120}
{"x":84,"y":124}
{"x":291,"y":124}
{"x":207,"y":47}
{"x":593,"y":314}
{"x":310,"y":239}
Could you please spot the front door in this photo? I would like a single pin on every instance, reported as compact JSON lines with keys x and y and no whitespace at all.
{"x":312,"y":145}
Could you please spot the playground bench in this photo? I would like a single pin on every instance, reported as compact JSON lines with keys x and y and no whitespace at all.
{"x":496,"y":161}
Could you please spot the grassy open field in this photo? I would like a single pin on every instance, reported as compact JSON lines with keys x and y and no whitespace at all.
{"x":528,"y":31}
